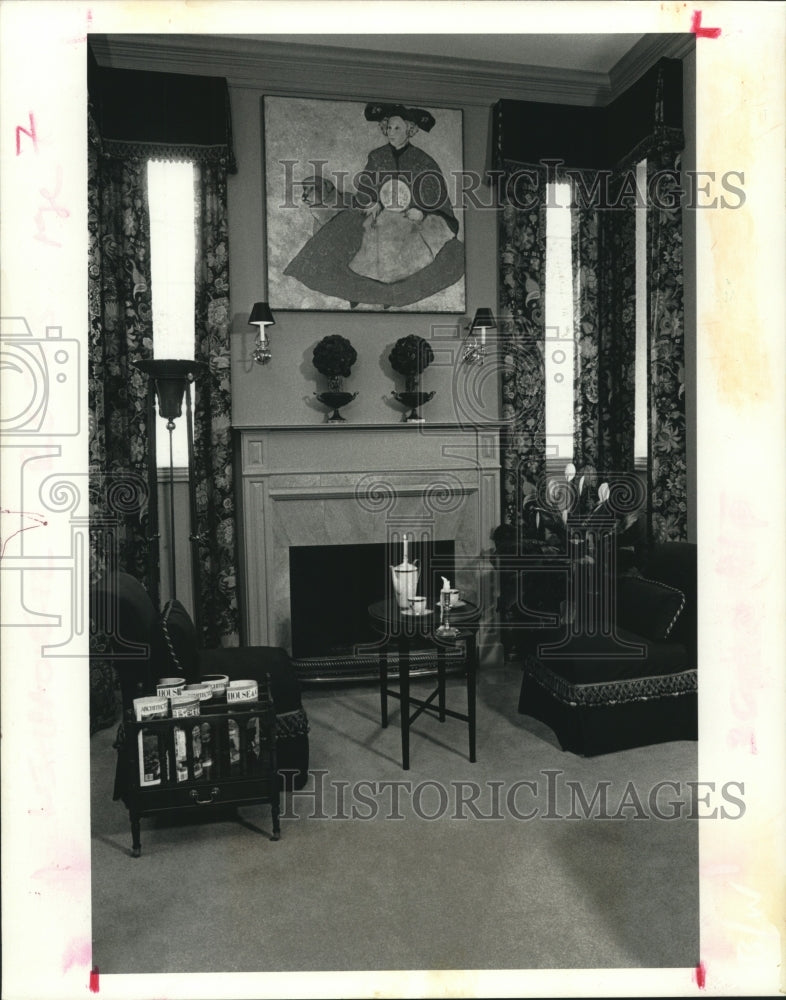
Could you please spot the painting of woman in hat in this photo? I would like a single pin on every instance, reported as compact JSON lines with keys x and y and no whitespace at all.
{"x":398,"y":242}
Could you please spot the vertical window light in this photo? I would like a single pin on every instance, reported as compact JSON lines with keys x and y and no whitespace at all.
{"x":172,"y":257}
{"x":560,"y":340}
{"x":640,"y":433}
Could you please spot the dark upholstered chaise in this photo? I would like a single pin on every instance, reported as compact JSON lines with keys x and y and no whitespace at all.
{"x":599,"y":697}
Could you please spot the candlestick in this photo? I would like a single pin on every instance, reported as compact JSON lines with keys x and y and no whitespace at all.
{"x":483,"y":336}
{"x":445,"y":629}
{"x":405,"y":548}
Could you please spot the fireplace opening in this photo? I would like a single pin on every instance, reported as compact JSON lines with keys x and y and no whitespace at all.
{"x":331,"y":587}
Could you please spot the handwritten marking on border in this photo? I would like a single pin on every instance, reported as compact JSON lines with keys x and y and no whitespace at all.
{"x":38,"y":522}
{"x":31,"y":134}
{"x":698,"y":31}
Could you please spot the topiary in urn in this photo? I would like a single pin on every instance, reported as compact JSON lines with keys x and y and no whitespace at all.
{"x":410,"y":357}
{"x":333,"y":357}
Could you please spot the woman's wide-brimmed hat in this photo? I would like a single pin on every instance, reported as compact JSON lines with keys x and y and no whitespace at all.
{"x":418,"y":116}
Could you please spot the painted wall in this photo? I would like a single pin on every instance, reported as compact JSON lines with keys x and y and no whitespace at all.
{"x":282,"y":391}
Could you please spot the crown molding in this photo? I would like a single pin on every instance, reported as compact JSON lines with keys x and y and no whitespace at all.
{"x":285,"y":68}
{"x":644,"y":54}
{"x":334,"y":72}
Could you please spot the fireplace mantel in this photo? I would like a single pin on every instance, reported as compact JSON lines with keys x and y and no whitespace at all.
{"x":351,"y":483}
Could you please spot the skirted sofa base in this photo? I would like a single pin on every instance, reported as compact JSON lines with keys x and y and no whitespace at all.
{"x":607,"y":715}
{"x":637,"y":684}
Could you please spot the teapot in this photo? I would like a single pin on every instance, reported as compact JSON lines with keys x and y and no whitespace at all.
{"x":405,"y":580}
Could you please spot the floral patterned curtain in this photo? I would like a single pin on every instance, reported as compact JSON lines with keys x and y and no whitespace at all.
{"x":604,"y":258}
{"x":604,"y":299}
{"x":120,"y":331}
{"x":667,"y":477}
{"x":585,"y":249}
{"x":522,"y":257}
{"x":213,"y":472}
{"x":599,"y":149}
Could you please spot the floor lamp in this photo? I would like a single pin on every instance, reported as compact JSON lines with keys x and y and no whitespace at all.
{"x":172,"y":380}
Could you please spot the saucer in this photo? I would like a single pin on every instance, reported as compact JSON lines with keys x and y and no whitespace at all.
{"x":417,"y":614}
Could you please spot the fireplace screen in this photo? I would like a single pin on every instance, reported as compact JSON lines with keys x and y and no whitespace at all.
{"x":331,"y":587}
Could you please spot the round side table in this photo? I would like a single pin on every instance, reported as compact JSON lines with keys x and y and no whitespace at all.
{"x":402,"y":631}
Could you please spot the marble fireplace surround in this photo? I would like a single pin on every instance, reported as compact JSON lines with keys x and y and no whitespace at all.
{"x":345,"y":484}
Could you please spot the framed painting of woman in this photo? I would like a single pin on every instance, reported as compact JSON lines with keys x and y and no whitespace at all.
{"x":362,"y":206}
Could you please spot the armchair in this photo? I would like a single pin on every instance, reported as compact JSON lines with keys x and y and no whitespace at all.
{"x":148,"y":646}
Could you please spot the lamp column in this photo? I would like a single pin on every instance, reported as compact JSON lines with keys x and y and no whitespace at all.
{"x":172,"y":380}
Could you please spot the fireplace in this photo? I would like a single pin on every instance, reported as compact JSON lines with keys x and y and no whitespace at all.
{"x":361,"y":488}
{"x":331,"y":587}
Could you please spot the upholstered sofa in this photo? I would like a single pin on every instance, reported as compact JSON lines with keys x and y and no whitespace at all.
{"x":148,"y":645}
{"x":631,"y":680}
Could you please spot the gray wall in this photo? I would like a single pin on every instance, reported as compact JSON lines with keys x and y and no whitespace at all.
{"x":282,"y":391}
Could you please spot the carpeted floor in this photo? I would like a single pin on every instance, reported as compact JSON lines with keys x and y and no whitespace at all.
{"x":478,"y":886}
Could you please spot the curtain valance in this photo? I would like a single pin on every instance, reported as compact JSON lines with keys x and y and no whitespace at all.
{"x":167,"y":115}
{"x":647,"y":115}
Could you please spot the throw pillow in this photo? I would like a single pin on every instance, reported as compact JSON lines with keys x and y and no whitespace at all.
{"x":179,"y":639}
{"x":647,"y":607}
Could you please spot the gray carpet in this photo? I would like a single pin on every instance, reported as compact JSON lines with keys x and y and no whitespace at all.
{"x":410,"y":893}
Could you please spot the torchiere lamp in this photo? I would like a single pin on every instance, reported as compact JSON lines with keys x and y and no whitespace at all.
{"x":261,"y":317}
{"x":474,"y":353}
{"x":172,"y":380}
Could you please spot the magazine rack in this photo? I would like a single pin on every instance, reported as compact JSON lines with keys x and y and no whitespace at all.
{"x":225,"y":756}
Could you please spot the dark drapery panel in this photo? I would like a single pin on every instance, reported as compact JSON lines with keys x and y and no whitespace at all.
{"x":213,"y":471}
{"x":604,"y":299}
{"x":522,"y":262}
{"x":120,"y":318}
{"x":120,"y":331}
{"x":617,"y":354}
{"x":667,"y":476}
{"x":585,"y":249}
{"x":143,"y":116}
{"x":592,"y":138}
{"x":173,"y":116}
{"x":597,"y":150}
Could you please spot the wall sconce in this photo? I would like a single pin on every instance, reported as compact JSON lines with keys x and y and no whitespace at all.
{"x":474,"y":353}
{"x":262,"y":317}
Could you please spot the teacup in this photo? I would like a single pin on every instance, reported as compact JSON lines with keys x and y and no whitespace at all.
{"x":450,"y":597}
{"x":418,"y":605}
